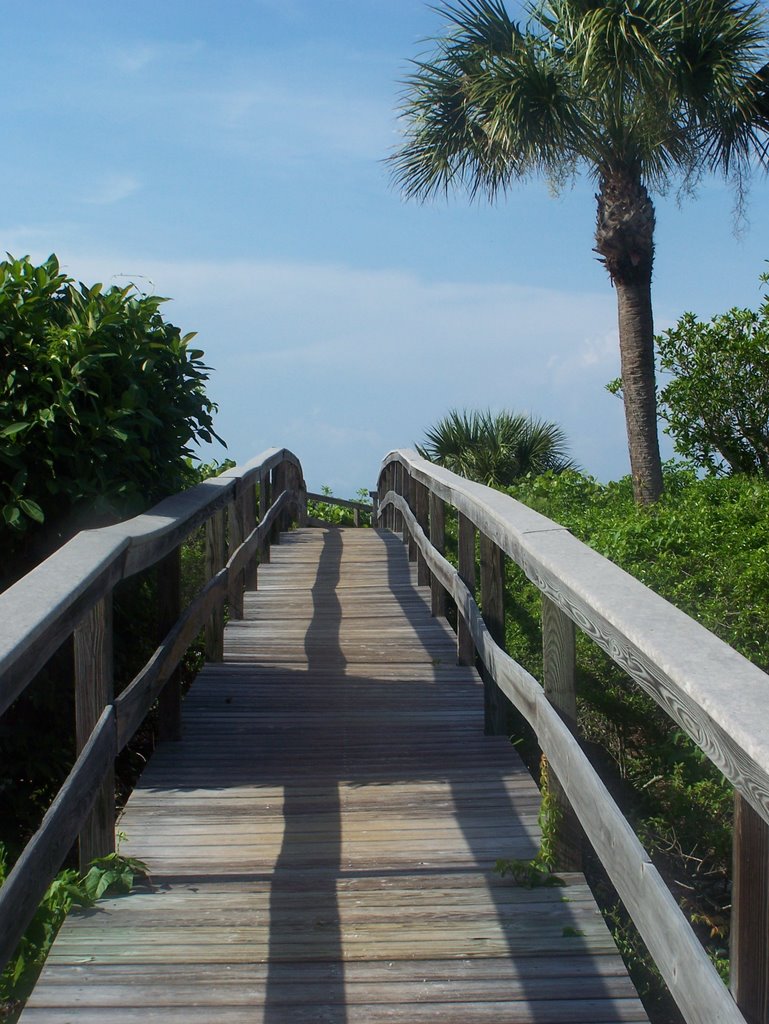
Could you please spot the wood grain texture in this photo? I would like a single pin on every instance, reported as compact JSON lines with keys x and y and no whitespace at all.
{"x":236,"y":533}
{"x":492,"y":564}
{"x":94,"y":692}
{"x":438,"y":540}
{"x":749,"y":936}
{"x":216,"y":557}
{"x":41,"y":610}
{"x":559,"y":681}
{"x":706,"y":687}
{"x":689,"y":974}
{"x":322,"y":839}
{"x":169,"y":610}
{"x":466,"y":566}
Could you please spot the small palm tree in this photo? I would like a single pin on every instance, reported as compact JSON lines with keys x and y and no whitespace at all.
{"x":638,"y":92}
{"x":496,"y":449}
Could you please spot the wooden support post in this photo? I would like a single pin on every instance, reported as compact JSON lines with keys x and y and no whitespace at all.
{"x":301,"y":499}
{"x":749,"y":952}
{"x":265,"y":495}
{"x":493,"y":608}
{"x":249,"y":516}
{"x":466,"y":558}
{"x":236,"y":518}
{"x":215,"y":560}
{"x":356,"y":517}
{"x":169,"y":608}
{"x":438,"y":541}
{"x":559,"y":677}
{"x":421,"y":513}
{"x":279,"y":482}
{"x":374,"y":495}
{"x":389,"y":480}
{"x":93,"y":692}
{"x":397,"y":486}
{"x":409,"y":493}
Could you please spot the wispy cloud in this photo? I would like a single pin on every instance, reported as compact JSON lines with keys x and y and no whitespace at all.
{"x":112,"y":188}
{"x":140,"y":55}
{"x":343,"y":363}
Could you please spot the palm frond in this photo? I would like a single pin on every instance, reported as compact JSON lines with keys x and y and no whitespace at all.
{"x":496,"y":449}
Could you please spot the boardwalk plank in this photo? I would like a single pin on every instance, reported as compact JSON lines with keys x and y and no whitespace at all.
{"x":322,"y":839}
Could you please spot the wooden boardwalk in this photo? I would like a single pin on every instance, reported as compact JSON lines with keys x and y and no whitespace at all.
{"x":322,"y":839}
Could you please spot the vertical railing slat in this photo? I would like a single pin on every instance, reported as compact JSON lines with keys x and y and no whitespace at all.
{"x":438,"y":541}
{"x":749,"y":942}
{"x":421,"y":512}
{"x":169,"y":608}
{"x":493,"y":608}
{"x":466,"y":569}
{"x":559,"y":682}
{"x":94,"y":690}
{"x":215,"y":560}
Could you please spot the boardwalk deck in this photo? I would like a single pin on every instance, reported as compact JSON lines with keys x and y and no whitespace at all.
{"x":322,"y":839}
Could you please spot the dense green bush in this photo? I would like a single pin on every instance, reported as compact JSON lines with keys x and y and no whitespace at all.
{"x":100,"y":400}
{"x":716,"y":403}
{"x":705,"y":547}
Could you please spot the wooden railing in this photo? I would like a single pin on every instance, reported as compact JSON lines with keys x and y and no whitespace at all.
{"x":71,"y":593}
{"x":714,"y":694}
{"x":360,"y":509}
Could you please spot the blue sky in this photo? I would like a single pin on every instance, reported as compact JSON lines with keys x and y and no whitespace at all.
{"x":230,"y":156}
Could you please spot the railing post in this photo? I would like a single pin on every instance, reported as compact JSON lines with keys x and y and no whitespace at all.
{"x":397,"y":486}
{"x":410,"y":494}
{"x":301,"y":497}
{"x":280,"y":483}
{"x":265,"y":489}
{"x":438,"y":541}
{"x":466,"y":568}
{"x":374,"y":495}
{"x":559,"y":680}
{"x":749,"y":942}
{"x":493,"y":608}
{"x":215,"y":560}
{"x":249,"y":518}
{"x":235,"y":537}
{"x":169,"y":608}
{"x":421,"y":514}
{"x":389,"y":485}
{"x":93,"y":692}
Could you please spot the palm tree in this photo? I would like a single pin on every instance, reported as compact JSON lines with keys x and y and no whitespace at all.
{"x":637,"y":92}
{"x":496,"y":449}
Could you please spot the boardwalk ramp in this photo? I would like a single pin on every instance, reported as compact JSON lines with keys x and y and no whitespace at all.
{"x":322,"y":840}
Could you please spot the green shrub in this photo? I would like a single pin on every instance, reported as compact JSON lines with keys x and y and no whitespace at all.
{"x":100,"y":400}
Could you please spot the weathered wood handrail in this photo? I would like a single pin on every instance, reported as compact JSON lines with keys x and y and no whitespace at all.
{"x":718,"y":697}
{"x":355,"y":506}
{"x":71,"y":593}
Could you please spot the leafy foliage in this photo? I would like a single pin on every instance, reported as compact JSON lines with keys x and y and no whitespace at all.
{"x":338,"y":515}
{"x":100,"y":401}
{"x":717,"y":403}
{"x":110,"y":875}
{"x":705,"y":547}
{"x":496,"y":449}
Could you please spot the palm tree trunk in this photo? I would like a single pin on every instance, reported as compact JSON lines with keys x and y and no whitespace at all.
{"x":636,"y":346}
{"x":625,"y":241}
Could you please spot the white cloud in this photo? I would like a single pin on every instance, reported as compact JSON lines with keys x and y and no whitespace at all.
{"x":343,"y":364}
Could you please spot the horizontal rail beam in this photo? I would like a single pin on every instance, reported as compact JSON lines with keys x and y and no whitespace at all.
{"x":686,"y":968}
{"x":709,"y":689}
{"x":25,"y":886}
